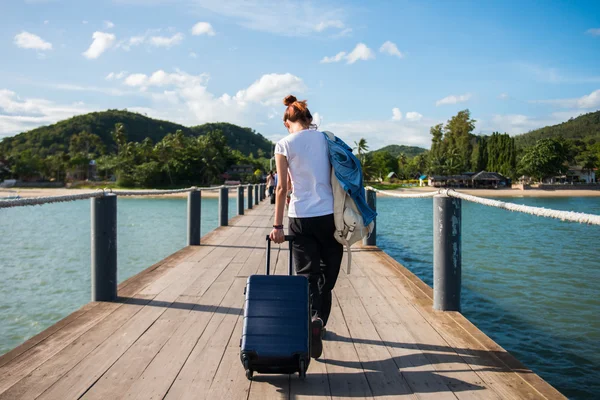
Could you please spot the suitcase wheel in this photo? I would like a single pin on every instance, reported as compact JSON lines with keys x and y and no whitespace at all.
{"x":249,"y":372}
{"x":302,"y":372}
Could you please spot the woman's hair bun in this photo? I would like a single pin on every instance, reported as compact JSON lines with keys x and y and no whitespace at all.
{"x":289,"y":100}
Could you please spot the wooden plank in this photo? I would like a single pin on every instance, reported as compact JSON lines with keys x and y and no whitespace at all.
{"x":29,"y":360}
{"x":77,"y":381}
{"x":196,"y":376}
{"x":346,"y":377}
{"x":131,"y":365}
{"x":490,"y":371}
{"x":199,"y":369}
{"x":401,"y":344}
{"x":426,"y":292}
{"x":505,"y":381}
{"x":40,"y":379}
{"x":12,"y":354}
{"x":122,"y":374}
{"x":114,"y":384}
{"x":41,"y":347}
{"x":230,"y":380}
{"x":373,"y":356}
{"x":161,"y":373}
{"x":442,"y":357}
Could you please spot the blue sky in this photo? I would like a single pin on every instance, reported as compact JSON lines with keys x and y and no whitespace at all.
{"x":383,"y":70}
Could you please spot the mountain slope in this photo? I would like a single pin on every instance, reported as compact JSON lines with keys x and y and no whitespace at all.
{"x":49,"y":139}
{"x":586,"y":127}
{"x":395,"y":150}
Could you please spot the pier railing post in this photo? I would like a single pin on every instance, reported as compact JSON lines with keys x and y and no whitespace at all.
{"x":371,"y":202}
{"x":250,"y":197}
{"x":262,"y":191}
{"x":256,"y":190}
{"x":223,"y":206}
{"x":104,"y":247}
{"x":446,"y":253}
{"x":240,"y":200}
{"x":193,"y":214}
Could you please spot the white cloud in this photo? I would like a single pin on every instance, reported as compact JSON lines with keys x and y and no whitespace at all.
{"x":454,"y":99}
{"x":281,"y":17}
{"x":391,"y":49}
{"x":131,"y":42}
{"x":26,"y":40}
{"x":164,"y":41}
{"x":193,"y":55}
{"x":413,"y":116}
{"x":101,"y":42}
{"x":338,"y":57}
{"x":335,"y":23}
{"x":396,"y":114}
{"x":360,"y":52}
{"x":185,"y":98}
{"x":382,"y":133}
{"x":503,"y":96}
{"x":108,"y":25}
{"x":271,"y":89}
{"x":317,"y":119}
{"x":343,"y":33}
{"x":136,"y":80}
{"x":84,"y":22}
{"x":203,"y":28}
{"x":553,"y":75}
{"x":78,"y":88}
{"x":515,"y":124}
{"x":18,"y":115}
{"x":588,"y":101}
{"x":593,"y":31}
{"x":116,"y":75}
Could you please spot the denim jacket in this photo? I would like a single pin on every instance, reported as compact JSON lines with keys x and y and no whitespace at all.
{"x":348,"y":170}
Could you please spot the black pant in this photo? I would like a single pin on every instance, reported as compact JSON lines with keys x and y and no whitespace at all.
{"x":318,"y":256}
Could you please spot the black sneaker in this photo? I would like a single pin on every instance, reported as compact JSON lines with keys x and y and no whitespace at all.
{"x":317,"y":338}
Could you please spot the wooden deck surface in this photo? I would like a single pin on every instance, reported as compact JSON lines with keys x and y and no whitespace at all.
{"x":175,"y":334}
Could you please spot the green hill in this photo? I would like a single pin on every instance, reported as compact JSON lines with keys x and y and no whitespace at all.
{"x":395,"y":150}
{"x":47,"y":140}
{"x":586,"y":127}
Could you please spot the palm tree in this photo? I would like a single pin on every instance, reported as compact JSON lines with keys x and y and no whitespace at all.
{"x":402,"y":161}
{"x":453,"y":162}
{"x":361,"y":148}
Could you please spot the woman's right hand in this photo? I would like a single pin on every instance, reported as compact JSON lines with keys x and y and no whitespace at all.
{"x":277,"y":236}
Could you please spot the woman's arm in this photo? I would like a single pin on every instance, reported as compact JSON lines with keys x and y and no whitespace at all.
{"x":277,"y":235}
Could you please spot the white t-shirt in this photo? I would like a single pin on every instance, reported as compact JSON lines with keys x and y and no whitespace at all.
{"x":310,"y":171}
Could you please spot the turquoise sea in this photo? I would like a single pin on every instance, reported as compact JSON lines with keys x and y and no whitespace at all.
{"x":531,"y":284}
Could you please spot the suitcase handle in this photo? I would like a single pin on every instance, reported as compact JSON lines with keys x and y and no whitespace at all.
{"x":290,"y":240}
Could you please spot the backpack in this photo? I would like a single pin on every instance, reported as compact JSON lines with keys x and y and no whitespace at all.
{"x":349,"y":225}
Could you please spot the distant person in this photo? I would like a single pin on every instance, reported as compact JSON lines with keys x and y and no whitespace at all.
{"x":304,"y":155}
{"x":271,"y":183}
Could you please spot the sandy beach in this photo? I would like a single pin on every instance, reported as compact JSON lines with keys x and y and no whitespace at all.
{"x":32,"y":192}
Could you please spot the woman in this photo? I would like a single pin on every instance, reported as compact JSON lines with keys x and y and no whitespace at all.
{"x":271,"y":183}
{"x":304,"y":156}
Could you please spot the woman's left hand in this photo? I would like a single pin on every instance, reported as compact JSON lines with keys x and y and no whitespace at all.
{"x":277,"y":236}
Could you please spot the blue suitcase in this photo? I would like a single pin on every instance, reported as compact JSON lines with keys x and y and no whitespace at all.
{"x":276,"y":333}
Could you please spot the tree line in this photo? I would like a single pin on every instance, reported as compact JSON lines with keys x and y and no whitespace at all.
{"x":177,"y":159}
{"x":455,"y":149}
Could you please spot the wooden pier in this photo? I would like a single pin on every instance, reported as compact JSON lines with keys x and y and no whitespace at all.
{"x":174,"y":333}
